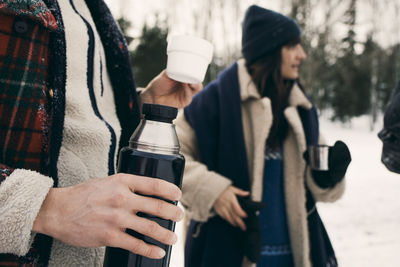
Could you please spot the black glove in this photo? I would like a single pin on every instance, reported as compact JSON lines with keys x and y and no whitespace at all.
{"x":252,"y":237}
{"x":339,"y":159}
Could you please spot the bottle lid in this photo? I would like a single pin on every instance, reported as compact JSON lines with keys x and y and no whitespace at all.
{"x":160,"y":113}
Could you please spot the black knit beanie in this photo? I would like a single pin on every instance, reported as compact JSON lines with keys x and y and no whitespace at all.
{"x":265,"y":30}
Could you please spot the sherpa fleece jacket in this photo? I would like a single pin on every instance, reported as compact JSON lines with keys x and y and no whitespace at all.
{"x":67,"y":101}
{"x":202,"y":187}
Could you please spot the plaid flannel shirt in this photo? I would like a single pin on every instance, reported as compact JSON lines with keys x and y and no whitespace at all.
{"x":24,"y":97}
{"x":24,"y":109}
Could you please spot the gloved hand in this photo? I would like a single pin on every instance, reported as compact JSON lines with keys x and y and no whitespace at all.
{"x":339,"y":159}
{"x":252,"y":236}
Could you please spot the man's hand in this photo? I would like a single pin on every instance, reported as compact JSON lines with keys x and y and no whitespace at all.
{"x":227,"y":206}
{"x":97,"y":213}
{"x":165,"y":91}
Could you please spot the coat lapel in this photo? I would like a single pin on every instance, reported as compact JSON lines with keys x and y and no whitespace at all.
{"x":257,"y":120}
{"x":295,"y":196}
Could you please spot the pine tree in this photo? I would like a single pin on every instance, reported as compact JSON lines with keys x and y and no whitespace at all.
{"x":125,"y":25}
{"x":388,"y":73}
{"x":352,"y":78}
{"x":150,"y":56}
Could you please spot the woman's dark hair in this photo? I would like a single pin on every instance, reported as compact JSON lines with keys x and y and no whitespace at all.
{"x":266,"y":74}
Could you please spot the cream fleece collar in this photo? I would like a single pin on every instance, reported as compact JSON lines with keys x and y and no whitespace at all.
{"x":248,"y":89}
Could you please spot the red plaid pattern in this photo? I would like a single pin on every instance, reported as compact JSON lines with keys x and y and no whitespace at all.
{"x":24,"y":105}
{"x":33,"y":9}
{"x":24,"y":96}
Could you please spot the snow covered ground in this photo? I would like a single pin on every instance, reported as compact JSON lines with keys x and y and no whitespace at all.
{"x":364,"y":226}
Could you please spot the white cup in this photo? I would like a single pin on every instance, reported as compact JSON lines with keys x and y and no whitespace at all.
{"x":188,"y":58}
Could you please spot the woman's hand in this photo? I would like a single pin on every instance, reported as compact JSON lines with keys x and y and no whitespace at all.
{"x":97,"y":213}
{"x":165,"y":91}
{"x":227,"y":206}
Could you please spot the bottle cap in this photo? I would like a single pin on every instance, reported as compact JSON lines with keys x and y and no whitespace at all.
{"x":160,"y":113}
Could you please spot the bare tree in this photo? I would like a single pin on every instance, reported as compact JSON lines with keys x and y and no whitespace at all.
{"x":374,"y":68}
{"x":396,"y":7}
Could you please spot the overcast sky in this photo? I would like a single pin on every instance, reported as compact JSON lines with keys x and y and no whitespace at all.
{"x":384,"y":19}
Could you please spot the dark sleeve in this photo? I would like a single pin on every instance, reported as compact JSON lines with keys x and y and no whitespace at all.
{"x":390,"y":134}
{"x":392,"y":112}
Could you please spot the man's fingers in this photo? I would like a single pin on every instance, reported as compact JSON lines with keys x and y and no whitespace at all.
{"x":151,"y":186}
{"x":125,"y":241}
{"x":152,"y":229}
{"x":156,"y":207}
{"x":188,"y":93}
{"x":196,"y":87}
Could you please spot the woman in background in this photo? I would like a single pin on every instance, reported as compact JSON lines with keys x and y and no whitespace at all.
{"x":246,"y":183}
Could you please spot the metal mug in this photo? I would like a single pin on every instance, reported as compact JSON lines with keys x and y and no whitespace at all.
{"x":319,"y":157}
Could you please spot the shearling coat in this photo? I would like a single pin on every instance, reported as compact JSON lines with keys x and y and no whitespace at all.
{"x":202,"y":187}
{"x":57,"y":114}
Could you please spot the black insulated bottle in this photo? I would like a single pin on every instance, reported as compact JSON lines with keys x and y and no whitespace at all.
{"x":153,"y":152}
